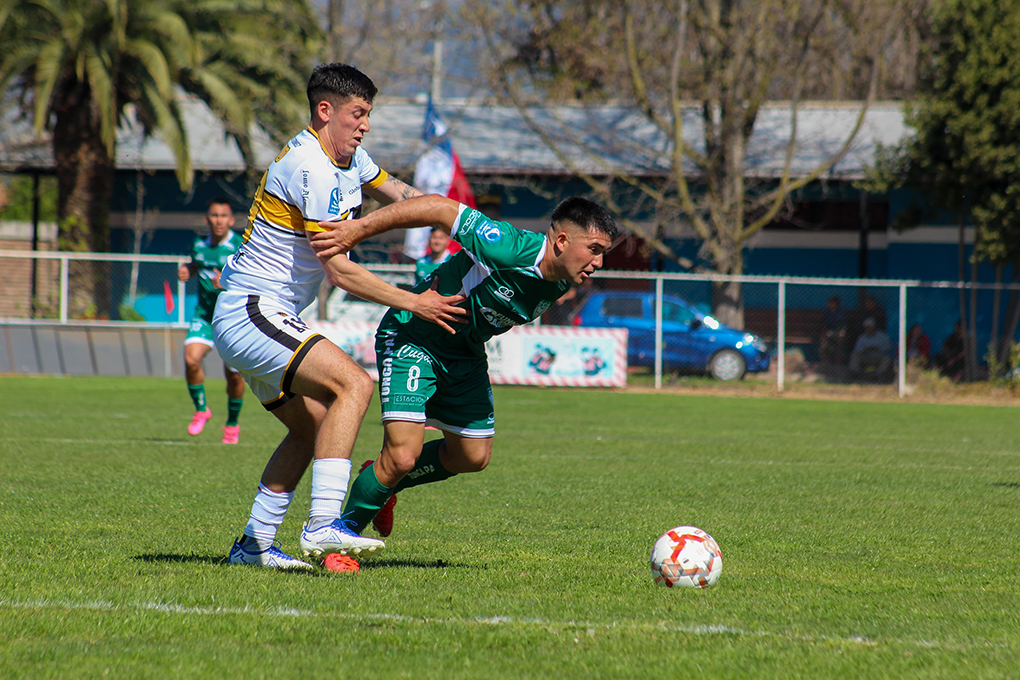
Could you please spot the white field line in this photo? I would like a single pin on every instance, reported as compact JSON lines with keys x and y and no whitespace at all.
{"x":573,"y":627}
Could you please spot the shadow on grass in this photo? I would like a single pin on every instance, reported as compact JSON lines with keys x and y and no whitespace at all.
{"x":180,"y":559}
{"x":1007,"y":485}
{"x":418,"y":564}
{"x":171,"y":558}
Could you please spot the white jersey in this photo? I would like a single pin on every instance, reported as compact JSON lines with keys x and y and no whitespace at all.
{"x":302,"y":187}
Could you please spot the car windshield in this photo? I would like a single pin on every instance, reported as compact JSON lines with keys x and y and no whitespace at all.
{"x":677,"y":313}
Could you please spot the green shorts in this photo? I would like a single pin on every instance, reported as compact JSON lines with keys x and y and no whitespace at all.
{"x":200,"y":330}
{"x":416,"y":386}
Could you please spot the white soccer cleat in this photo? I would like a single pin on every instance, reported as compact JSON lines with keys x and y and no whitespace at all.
{"x":337,"y":537}
{"x":272,"y":557}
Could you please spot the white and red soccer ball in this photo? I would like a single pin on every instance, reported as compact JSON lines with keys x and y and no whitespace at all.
{"x":687,"y":557}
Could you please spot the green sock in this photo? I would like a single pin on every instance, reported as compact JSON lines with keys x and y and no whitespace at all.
{"x":197,"y":393}
{"x":365,"y":499}
{"x":233,"y":411}
{"x":367,"y":495}
{"x":428,"y":469}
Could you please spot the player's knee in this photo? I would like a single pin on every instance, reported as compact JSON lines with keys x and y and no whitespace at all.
{"x":361,"y":387}
{"x":401,"y":460}
{"x":477,"y":463}
{"x":476,"y":458}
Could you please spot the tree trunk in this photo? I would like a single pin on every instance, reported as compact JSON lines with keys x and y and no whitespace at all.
{"x":971,"y":365}
{"x":1012,"y":319}
{"x":728,"y":296}
{"x":84,"y":170}
{"x":993,"y":339}
{"x":961,"y":273}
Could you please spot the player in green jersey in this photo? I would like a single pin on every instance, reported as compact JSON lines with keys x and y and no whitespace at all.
{"x":510,"y":276}
{"x":208,"y":255}
{"x":439,"y":241}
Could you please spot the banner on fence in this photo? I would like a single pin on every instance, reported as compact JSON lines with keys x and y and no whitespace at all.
{"x":527,"y":355}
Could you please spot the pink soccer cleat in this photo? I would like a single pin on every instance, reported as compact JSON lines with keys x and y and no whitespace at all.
{"x":231,"y":433}
{"x":198,"y":421}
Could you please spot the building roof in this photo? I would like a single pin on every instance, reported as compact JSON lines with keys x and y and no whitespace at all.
{"x":492,"y":139}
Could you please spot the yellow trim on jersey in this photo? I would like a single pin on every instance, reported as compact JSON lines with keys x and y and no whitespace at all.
{"x":279,"y":212}
{"x":314,"y":226}
{"x":377,"y":181}
{"x":328,"y":155}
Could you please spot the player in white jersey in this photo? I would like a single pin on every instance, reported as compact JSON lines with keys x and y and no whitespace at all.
{"x":307,"y":382}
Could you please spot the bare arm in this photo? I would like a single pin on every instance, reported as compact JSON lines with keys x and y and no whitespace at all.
{"x":393,"y":191}
{"x":421,"y":211}
{"x":186,"y":271}
{"x":429,"y":305}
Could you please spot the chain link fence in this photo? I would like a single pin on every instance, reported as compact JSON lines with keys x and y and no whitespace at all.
{"x":783,"y":330}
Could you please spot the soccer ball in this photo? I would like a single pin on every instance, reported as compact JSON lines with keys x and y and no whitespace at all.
{"x":686,"y":556}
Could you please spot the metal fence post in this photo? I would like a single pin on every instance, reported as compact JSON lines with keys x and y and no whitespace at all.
{"x":180,"y":300}
{"x":658,"y":332}
{"x":781,"y":337}
{"x":902,"y":380}
{"x":64,"y":266}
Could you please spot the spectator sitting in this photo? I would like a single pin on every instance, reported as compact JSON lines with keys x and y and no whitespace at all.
{"x":870,"y":357}
{"x":918,"y":346}
{"x":833,"y":340}
{"x":950,"y":359}
{"x":869,"y":309}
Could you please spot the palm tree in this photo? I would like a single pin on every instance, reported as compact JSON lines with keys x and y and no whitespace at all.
{"x":78,"y":64}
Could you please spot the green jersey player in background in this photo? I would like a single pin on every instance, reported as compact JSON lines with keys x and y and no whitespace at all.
{"x":510,"y":277}
{"x":208,"y":255}
{"x":439,"y":241}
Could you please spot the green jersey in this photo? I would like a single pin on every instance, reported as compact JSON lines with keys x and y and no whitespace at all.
{"x":498,"y":270}
{"x":208,"y":260}
{"x":424,"y":266}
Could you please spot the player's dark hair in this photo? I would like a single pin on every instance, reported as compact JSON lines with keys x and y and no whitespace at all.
{"x":219,"y":200}
{"x":587,"y":215}
{"x":337,"y":83}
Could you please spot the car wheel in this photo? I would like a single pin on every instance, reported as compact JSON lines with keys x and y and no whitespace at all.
{"x":727,"y":365}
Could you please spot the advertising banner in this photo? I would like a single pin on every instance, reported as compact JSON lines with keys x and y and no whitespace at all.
{"x":527,"y":355}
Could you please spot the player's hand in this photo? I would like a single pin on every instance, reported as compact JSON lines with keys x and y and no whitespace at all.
{"x":440,"y":310}
{"x":339,"y":237}
{"x":183,"y":274}
{"x":216,"y":279}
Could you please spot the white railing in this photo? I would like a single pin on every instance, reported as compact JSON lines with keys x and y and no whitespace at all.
{"x":657,"y":282}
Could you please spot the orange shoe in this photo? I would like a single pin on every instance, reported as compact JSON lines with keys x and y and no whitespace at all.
{"x":341,"y":564}
{"x":383,"y":521}
{"x":231,"y":433}
{"x":198,"y":421}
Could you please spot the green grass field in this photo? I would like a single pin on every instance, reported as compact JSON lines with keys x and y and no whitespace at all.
{"x":860,"y":540}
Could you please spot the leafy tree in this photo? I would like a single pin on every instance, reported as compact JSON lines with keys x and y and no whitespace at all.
{"x":963,"y":156}
{"x":82,"y":66}
{"x":712,"y":64}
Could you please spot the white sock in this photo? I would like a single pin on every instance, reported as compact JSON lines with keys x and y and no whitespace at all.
{"x":266,"y":516}
{"x":330,"y":477}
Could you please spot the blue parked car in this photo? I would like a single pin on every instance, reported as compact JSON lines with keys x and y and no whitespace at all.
{"x":691,"y":340}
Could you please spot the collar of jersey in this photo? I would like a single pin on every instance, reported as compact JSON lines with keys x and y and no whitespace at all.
{"x":323,"y":147}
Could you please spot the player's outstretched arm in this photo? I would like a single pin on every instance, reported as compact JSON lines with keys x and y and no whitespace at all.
{"x":429,"y":305}
{"x":392,"y":191}
{"x":421,"y":211}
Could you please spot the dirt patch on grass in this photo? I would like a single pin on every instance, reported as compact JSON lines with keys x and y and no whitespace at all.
{"x":926,"y":389}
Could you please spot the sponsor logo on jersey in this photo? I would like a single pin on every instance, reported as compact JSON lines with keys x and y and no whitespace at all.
{"x":334,"y":202}
{"x":542,"y":306}
{"x":504,"y":293}
{"x":490,"y":232}
{"x":496,"y":319}
{"x":406,"y":352}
